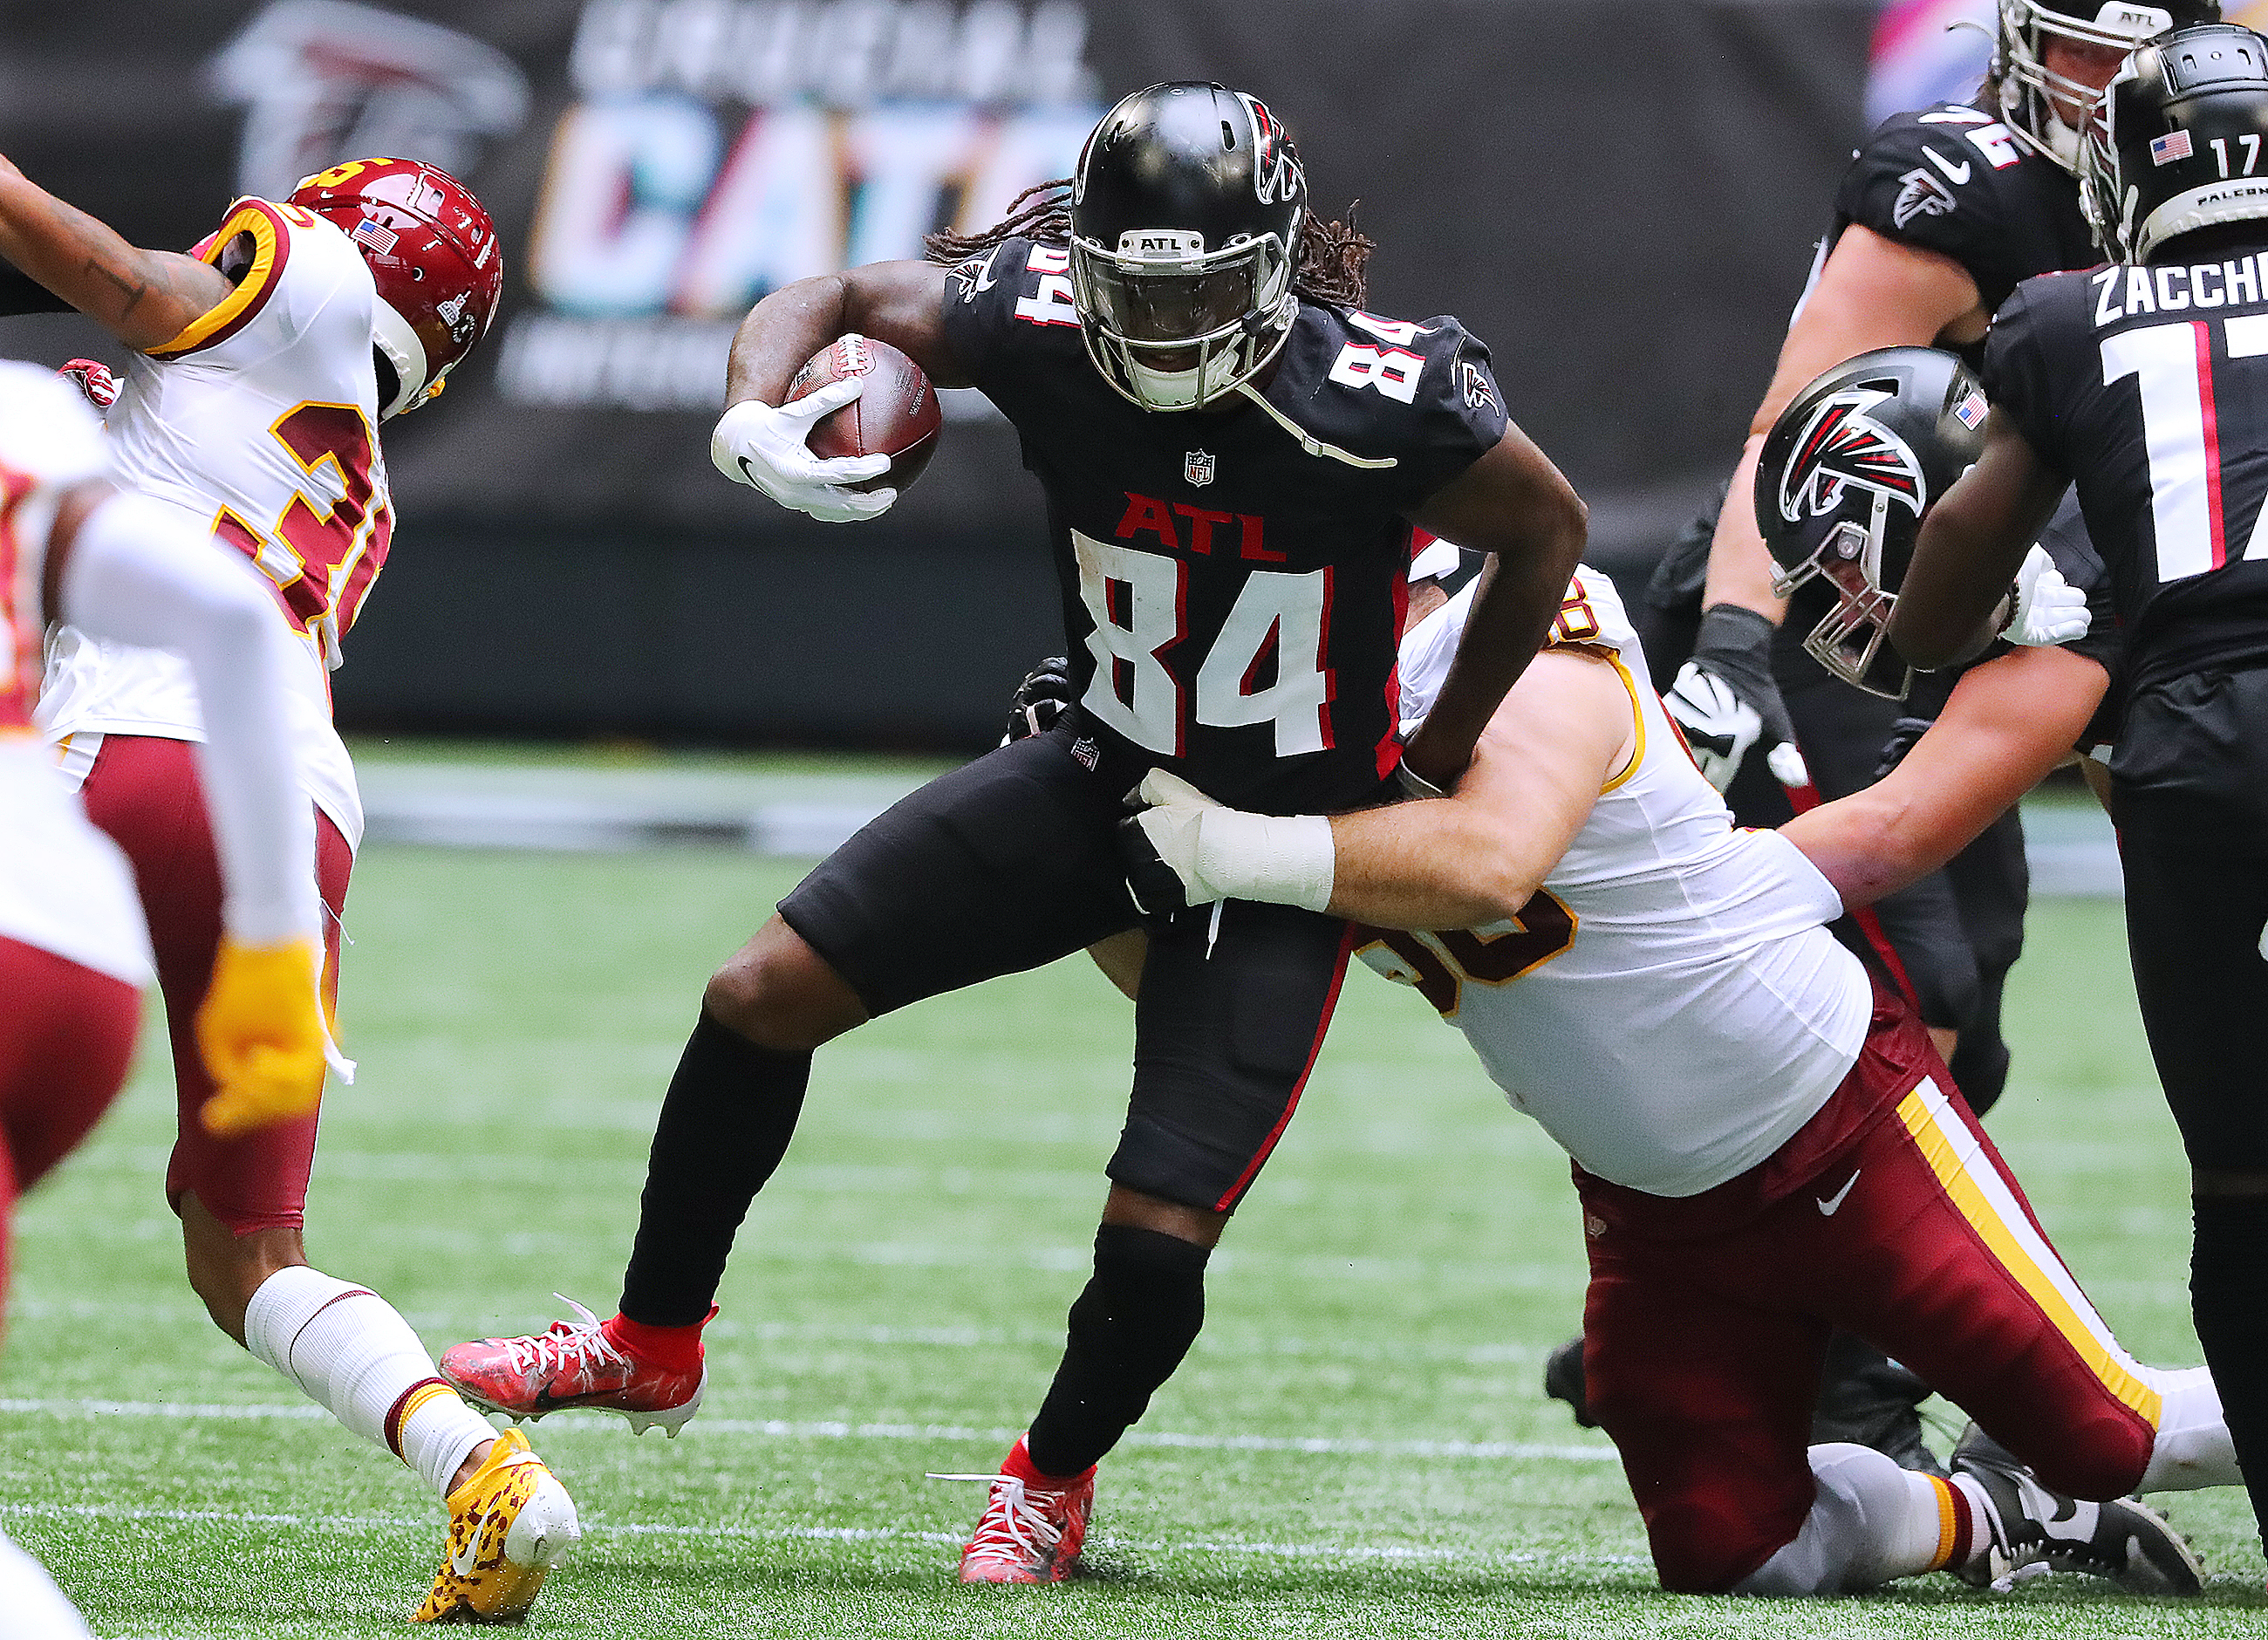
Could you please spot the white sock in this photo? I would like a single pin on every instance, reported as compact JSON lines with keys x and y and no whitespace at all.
{"x":31,"y":1607}
{"x":2193,"y":1447}
{"x":349,"y":1352}
{"x":1871,"y":1521}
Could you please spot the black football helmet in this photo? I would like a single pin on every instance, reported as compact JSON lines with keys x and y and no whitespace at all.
{"x":2029,"y":91}
{"x":2175,"y":143}
{"x":1846,"y":474}
{"x":1185,"y":221}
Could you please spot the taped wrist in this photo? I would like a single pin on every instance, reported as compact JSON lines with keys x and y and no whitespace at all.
{"x":1285,"y":859}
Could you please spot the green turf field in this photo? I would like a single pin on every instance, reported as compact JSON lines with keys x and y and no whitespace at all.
{"x":1357,"y":1446}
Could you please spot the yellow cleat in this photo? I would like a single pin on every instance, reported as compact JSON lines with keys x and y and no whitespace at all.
{"x":508,"y":1526}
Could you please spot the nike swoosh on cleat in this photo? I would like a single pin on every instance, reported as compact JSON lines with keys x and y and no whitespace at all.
{"x":466,"y":1563}
{"x":1829,"y":1204}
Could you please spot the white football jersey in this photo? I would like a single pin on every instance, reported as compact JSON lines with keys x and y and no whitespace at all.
{"x":63,"y":886}
{"x":262,"y":418}
{"x":1670,"y":1005}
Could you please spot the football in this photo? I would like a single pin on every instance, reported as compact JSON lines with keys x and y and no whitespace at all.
{"x":895,"y":413}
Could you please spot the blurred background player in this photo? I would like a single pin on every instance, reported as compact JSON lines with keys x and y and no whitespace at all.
{"x":74,"y":954}
{"x":1807,"y":1168}
{"x":1939,"y":215}
{"x":2155,"y":407}
{"x":1234,"y":455}
{"x":265,"y":360}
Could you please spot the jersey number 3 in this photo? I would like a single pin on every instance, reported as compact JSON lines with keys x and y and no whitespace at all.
{"x":322,"y":554}
{"x":1138,"y":602}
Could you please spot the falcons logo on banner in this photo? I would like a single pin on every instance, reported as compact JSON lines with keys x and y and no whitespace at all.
{"x":1844,"y":445}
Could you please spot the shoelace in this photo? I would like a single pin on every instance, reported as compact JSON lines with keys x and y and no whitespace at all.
{"x":1013,"y":1524}
{"x":563,"y":1344}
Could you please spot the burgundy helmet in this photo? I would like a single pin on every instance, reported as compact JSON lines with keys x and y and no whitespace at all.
{"x":433,"y":253}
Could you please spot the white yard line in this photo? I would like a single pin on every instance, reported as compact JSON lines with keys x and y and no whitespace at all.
{"x":828,"y":1430}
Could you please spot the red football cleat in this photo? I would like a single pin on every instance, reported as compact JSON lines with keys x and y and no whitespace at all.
{"x":1030,"y":1532}
{"x":574,"y":1363}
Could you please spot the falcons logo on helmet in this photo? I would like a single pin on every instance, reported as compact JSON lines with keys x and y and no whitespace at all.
{"x":1844,"y":445}
{"x":1276,"y":170}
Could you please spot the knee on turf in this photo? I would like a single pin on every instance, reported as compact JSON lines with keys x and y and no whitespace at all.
{"x":779,"y":994}
{"x":1708,"y":1541}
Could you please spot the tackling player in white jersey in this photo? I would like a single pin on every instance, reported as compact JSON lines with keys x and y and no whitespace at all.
{"x":73,"y":953}
{"x":265,"y":360}
{"x":1767,"y":1146}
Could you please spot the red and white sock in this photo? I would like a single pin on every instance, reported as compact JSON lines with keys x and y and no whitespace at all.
{"x":350,"y":1352}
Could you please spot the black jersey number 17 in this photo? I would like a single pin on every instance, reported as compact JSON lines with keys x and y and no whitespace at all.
{"x":2172,"y":365}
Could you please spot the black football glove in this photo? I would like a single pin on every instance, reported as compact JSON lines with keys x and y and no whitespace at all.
{"x":1043,"y":696}
{"x":1904,"y":733}
{"x":1724,"y":701}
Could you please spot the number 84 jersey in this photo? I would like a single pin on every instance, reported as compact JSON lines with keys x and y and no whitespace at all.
{"x":1670,"y":1006}
{"x":261,"y":418}
{"x":1234,"y":577}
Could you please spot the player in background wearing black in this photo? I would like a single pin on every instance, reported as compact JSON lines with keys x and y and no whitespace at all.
{"x":1940,"y":214}
{"x":1233,"y":457}
{"x":2145,"y":382}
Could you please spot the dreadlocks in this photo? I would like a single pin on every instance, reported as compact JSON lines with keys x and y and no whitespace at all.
{"x":1329,"y":268}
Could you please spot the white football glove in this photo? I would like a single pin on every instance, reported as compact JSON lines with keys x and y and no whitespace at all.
{"x":1718,"y":725}
{"x":2048,"y":610}
{"x":764,"y":446}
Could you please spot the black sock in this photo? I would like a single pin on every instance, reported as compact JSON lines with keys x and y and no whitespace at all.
{"x":730,"y":1112}
{"x":2228,"y":1296}
{"x":1128,"y":1331}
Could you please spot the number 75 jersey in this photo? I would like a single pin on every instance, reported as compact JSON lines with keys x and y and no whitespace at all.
{"x":261,"y":418}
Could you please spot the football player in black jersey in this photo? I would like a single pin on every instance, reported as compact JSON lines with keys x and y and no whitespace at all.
{"x":1233,"y":455}
{"x":1941,"y":214}
{"x":2144,"y":382}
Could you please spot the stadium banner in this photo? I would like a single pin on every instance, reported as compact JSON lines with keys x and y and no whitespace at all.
{"x":1624,"y":211}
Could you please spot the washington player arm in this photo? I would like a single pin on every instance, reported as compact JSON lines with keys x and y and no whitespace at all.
{"x":1514,"y":504}
{"x":143,"y":297}
{"x":2007,"y":723}
{"x":901,"y":302}
{"x":1971,"y":547}
{"x":1465,"y":861}
{"x":1476,"y":856}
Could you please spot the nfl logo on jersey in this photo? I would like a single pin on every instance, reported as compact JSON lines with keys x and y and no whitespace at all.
{"x":1197,"y":467}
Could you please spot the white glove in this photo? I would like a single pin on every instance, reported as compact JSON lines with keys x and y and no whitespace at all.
{"x":1221,"y":853}
{"x":765,"y":447}
{"x":1718,"y":725}
{"x":2050,"y":610}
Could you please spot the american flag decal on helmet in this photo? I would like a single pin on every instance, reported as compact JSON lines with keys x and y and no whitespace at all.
{"x":1845,"y":446}
{"x":382,"y":239}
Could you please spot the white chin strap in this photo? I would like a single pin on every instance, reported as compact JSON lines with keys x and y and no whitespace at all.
{"x":2063,"y":142}
{"x":404,"y":351}
{"x":1184,"y":389}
